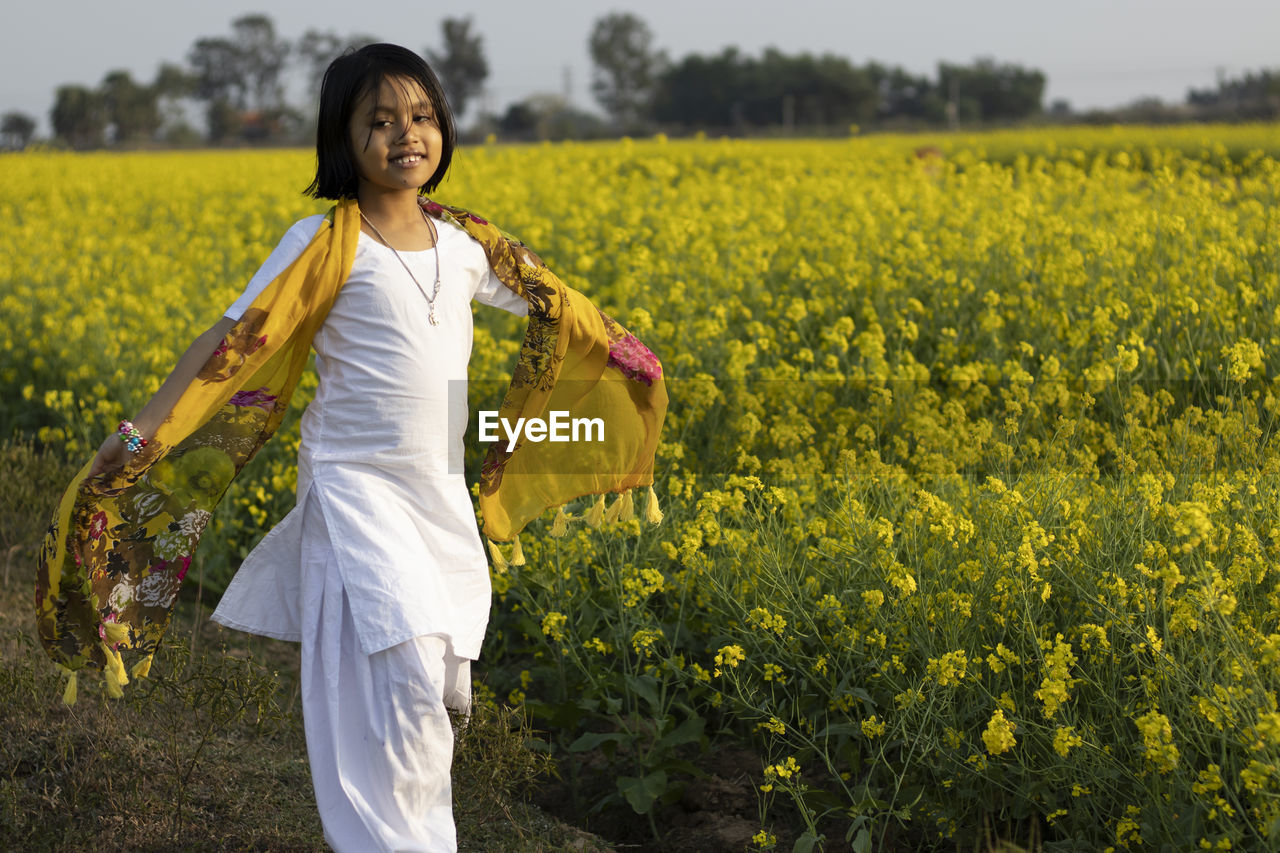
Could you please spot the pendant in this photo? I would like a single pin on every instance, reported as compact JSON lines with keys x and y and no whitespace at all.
{"x":432,"y":318}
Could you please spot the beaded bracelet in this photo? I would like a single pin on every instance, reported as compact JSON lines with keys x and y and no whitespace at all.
{"x":133,"y":440}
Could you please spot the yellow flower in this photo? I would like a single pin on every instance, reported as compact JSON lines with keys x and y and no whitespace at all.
{"x":1243,"y":357}
{"x":1000,"y":658}
{"x":642,"y":641}
{"x":1127,"y":828}
{"x":767,"y":621}
{"x":639,"y":585}
{"x":1054,"y":689}
{"x":998,"y":735}
{"x":773,"y":725}
{"x":1065,"y":739}
{"x":1208,"y":780}
{"x":1256,"y":775}
{"x":951,"y":668}
{"x":785,"y":770}
{"x":553,"y":625}
{"x":1157,"y":740}
{"x":729,"y":657}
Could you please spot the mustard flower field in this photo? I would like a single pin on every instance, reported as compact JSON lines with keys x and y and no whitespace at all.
{"x":970,"y":477}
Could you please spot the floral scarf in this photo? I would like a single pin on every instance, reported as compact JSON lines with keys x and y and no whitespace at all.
{"x":120,"y":545}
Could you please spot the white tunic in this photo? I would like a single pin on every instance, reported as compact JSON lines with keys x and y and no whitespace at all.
{"x":382,"y":452}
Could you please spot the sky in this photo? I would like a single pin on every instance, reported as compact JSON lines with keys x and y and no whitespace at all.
{"x":1096,"y":53}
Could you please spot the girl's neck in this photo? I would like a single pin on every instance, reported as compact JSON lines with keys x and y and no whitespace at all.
{"x":394,"y":207}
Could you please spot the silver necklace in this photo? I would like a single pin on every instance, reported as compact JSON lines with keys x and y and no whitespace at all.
{"x":435,"y":245}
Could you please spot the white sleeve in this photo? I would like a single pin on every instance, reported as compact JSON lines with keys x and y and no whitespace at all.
{"x":493,"y":292}
{"x":285,"y":253}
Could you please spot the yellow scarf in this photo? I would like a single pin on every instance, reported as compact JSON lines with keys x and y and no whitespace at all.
{"x":119,"y":545}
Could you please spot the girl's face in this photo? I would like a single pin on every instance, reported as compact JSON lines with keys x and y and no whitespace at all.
{"x":394,"y":137}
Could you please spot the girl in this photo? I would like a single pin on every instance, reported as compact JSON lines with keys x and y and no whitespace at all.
{"x":379,"y":570}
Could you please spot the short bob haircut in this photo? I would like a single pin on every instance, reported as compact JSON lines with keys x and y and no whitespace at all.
{"x":348,"y":79}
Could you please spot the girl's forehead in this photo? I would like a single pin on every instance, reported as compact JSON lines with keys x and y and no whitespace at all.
{"x":395,"y":92}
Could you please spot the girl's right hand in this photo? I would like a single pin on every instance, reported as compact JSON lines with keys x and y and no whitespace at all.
{"x":111,"y":456}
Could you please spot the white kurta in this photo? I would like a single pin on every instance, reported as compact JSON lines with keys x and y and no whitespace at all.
{"x":382,"y":451}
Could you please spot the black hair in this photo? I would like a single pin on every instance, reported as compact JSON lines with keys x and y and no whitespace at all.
{"x":348,"y":79}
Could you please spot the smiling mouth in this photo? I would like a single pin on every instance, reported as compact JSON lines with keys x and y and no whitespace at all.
{"x":408,"y":159}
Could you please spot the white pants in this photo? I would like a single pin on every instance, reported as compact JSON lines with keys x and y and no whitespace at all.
{"x":378,"y":734}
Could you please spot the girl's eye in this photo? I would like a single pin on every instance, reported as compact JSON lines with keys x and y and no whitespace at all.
{"x":423,"y":118}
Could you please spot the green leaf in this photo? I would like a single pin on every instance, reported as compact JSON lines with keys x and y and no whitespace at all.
{"x":861,"y":842}
{"x":687,"y":732}
{"x":807,"y":842}
{"x":646,"y":687}
{"x":853,"y":729}
{"x":592,"y":740}
{"x":562,"y":715}
{"x":643,"y":792}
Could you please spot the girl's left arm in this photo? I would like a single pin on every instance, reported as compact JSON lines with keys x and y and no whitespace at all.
{"x":493,"y":292}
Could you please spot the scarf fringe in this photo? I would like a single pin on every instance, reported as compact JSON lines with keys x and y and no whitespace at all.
{"x":115,"y":633}
{"x":623,"y":509}
{"x":560,"y":527}
{"x":117,"y":678}
{"x":142,"y":668}
{"x":499,"y":562}
{"x":595,"y":516}
{"x":517,"y":554}
{"x":615,"y":511}
{"x":653,"y":512}
{"x":69,"y":692}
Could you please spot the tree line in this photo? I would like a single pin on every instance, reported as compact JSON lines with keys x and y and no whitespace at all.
{"x":237,"y":82}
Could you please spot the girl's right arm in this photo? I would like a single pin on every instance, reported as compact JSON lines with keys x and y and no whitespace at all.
{"x":112,"y":454}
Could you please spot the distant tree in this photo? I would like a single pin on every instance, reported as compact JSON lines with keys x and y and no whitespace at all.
{"x":702,"y":91}
{"x":807,"y":90}
{"x":173,"y":85}
{"x":461,"y":65}
{"x":215,"y":65}
{"x":989,"y":91}
{"x":219,"y":82}
{"x":519,"y":120}
{"x":16,"y":130}
{"x":317,"y":49}
{"x":79,"y":117}
{"x":548,"y":116}
{"x":730,"y":90}
{"x":132,"y":110}
{"x":1256,"y":96}
{"x":626,"y":68}
{"x":1060,"y":108}
{"x":262,"y":57}
{"x":241,"y":75}
{"x":172,"y":81}
{"x":903,"y":96}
